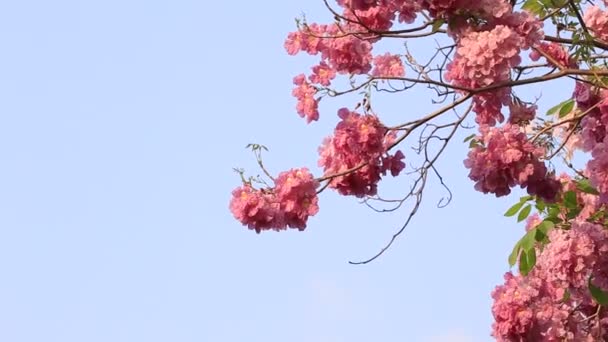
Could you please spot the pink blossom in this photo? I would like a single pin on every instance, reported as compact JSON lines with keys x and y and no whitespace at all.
{"x":393,"y":163}
{"x":358,"y":141}
{"x":322,"y":74}
{"x":289,"y":204}
{"x":506,"y":158}
{"x":557,"y":52}
{"x":598,"y":169}
{"x":296,"y":192}
{"x":573,"y":255}
{"x":307,"y":105}
{"x":388,"y":65}
{"x":521,"y":113}
{"x":532,"y":221}
{"x":360,"y":5}
{"x":597,"y":21}
{"x":256,"y":209}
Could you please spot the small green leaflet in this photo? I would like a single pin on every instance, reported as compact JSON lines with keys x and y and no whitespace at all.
{"x":534,"y":7}
{"x":554,"y":109}
{"x":527,"y":243}
{"x":566,"y":108}
{"x":585,"y":186}
{"x":437,"y":25}
{"x":527,"y":260}
{"x":514,"y":209}
{"x":469,"y":137}
{"x":570,"y":201}
{"x":598,"y":295}
{"x":523,"y":214}
{"x":514,"y":254}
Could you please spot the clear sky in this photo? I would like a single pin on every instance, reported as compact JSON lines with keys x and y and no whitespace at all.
{"x":120,"y":123}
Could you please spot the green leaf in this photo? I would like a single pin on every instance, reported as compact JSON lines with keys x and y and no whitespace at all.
{"x":437,"y":25}
{"x":514,"y":209}
{"x":566,"y":108}
{"x":555,"y":108}
{"x":514,"y":254}
{"x":554,"y":211}
{"x":527,"y":260}
{"x":533,"y":6}
{"x":527,"y":242}
{"x":570,"y":201}
{"x":523,"y":263}
{"x":566,"y":296}
{"x":572,"y":213}
{"x":545,"y":226}
{"x":540,"y":205}
{"x":585,"y":186}
{"x":469,"y":137}
{"x":598,"y":294}
{"x":523,"y":214}
{"x":531,"y":255}
{"x":555,"y":220}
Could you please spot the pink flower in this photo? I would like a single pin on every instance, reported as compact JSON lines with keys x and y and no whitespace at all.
{"x":307,"y":105}
{"x":505,"y":159}
{"x":521,"y":113}
{"x":289,"y":204}
{"x":388,"y":65}
{"x":322,"y":74}
{"x":358,"y":141}
{"x":296,"y":192}
{"x":256,"y":209}
{"x":532,"y":221}
{"x":597,"y":21}
{"x":556,"y":52}
{"x":575,"y":254}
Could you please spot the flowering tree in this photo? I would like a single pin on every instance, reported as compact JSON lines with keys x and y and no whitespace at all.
{"x":485,"y":51}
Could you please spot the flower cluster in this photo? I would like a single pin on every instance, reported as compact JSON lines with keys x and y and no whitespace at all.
{"x":506,"y":158}
{"x":359,"y":144}
{"x":308,"y":105}
{"x":521,"y":113}
{"x":388,"y":65}
{"x":346,"y":54}
{"x":597,"y":21}
{"x":288,"y":204}
{"x":553,"y":302}
{"x":559,"y":57}
{"x":594,"y":129}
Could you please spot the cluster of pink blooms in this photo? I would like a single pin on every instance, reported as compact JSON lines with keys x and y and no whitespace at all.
{"x":594,"y":134}
{"x":506,"y":158}
{"x":308,"y":105}
{"x":346,"y":54}
{"x":388,"y":65}
{"x":553,"y":302}
{"x":288,"y":204}
{"x":486,"y":54}
{"x":322,"y":74}
{"x":358,"y":141}
{"x":597,"y":21}
{"x":557,"y":53}
{"x":521,"y":113}
{"x":484,"y":58}
{"x":379,"y":15}
{"x":588,"y":203}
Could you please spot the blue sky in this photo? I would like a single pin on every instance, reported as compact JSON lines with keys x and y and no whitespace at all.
{"x":120,"y":123}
